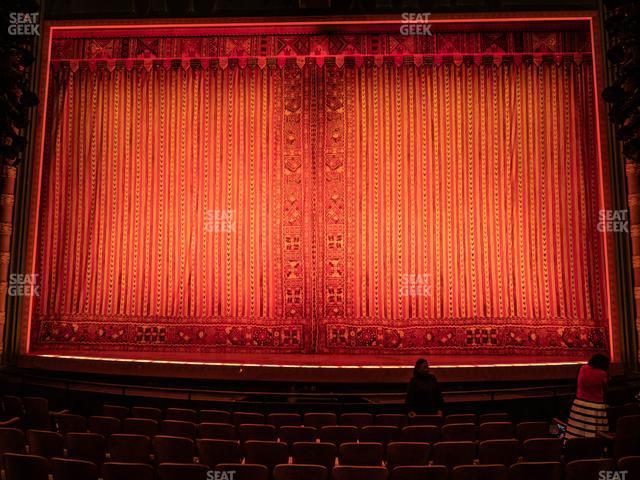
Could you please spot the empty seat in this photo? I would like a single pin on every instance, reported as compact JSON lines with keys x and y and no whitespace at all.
{"x":45,"y":443}
{"x":124,"y":447}
{"x":536,"y":471}
{"x":420,"y":433}
{"x":116,"y":411}
{"x":146,"y":412}
{"x":67,"y":423}
{"x":240,"y":418}
{"x":542,"y":450}
{"x":338,"y":434}
{"x":631,"y":465}
{"x":380,"y":433}
{"x":68,"y":469}
{"x":178,"y":428}
{"x":356,"y":419}
{"x":458,"y":432}
{"x":407,"y":453}
{"x":589,"y":469}
{"x":212,"y":452}
{"x":140,"y":426}
{"x":300,"y":472}
{"x":12,"y":440}
{"x":12,"y":406}
{"x":244,"y":471}
{"x":452,"y":454}
{"x":496,"y":430}
{"x":221,"y":431}
{"x":184,"y":414}
{"x":461,"y":418}
{"x":626,"y":442}
{"x":479,"y":472}
{"x":284,"y":419}
{"x":127,"y":471}
{"x":215,"y":416}
{"x":105,"y":425}
{"x":266,"y":453}
{"x":362,"y":454}
{"x":583,"y":447}
{"x":36,"y":413}
{"x":168,"y":449}
{"x":410,"y":472}
{"x":291,"y":434}
{"x":344,"y":472}
{"x":312,"y":453}
{"x":183,"y":471}
{"x":319,"y":420}
{"x":249,"y":431}
{"x":393,"y":419}
{"x":422,"y":419}
{"x":527,"y":430}
{"x":500,"y":452}
{"x":91,"y":447}
{"x":493,"y":417}
{"x":25,"y":467}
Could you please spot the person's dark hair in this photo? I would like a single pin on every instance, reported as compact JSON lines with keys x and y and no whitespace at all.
{"x":600,"y":361}
{"x":419,"y":364}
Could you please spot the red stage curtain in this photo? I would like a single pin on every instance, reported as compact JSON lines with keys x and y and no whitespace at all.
{"x":385,"y":207}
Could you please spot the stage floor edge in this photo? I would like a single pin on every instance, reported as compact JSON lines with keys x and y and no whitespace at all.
{"x":310,"y":368}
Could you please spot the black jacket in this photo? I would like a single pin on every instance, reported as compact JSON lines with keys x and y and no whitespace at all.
{"x":424,"y":395}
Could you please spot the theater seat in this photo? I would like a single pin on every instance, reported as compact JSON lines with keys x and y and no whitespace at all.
{"x":240,"y":418}
{"x":496,"y":431}
{"x":219,"y":431}
{"x":300,"y":472}
{"x":631,"y":465}
{"x":212,"y":452}
{"x":407,"y":453}
{"x":583,"y":448}
{"x":182,"y":414}
{"x":361,"y":454}
{"x":422,"y":419}
{"x":383,"y":434}
{"x":178,"y":428}
{"x":431,"y":472}
{"x":542,"y":450}
{"x":215,"y":416}
{"x":115,"y":411}
{"x":182,"y":471}
{"x":266,"y":453}
{"x":479,"y":472}
{"x":105,"y":426}
{"x":452,"y":454}
{"x":312,"y":453}
{"x":67,"y":469}
{"x":493,"y":417}
{"x":244,"y":471}
{"x":459,"y":432}
{"x":536,"y":471}
{"x":91,"y":447}
{"x":291,"y":434}
{"x":12,"y":440}
{"x":168,"y":449}
{"x":319,"y":420}
{"x":25,"y":467}
{"x":392,"y":419}
{"x":45,"y":443}
{"x":589,"y":469}
{"x":127,"y":471}
{"x":140,"y":426}
{"x":420,"y":433}
{"x":338,"y":434}
{"x":356,"y":419}
{"x":284,"y":419}
{"x":124,"y":447}
{"x":343,"y":472}
{"x":501,"y":452}
{"x":67,"y":423}
{"x":147,"y":412}
{"x":527,"y":430}
{"x":461,"y":418}
{"x":257,"y":432}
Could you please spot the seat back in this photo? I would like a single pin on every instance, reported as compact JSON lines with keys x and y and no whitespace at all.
{"x":220,"y":431}
{"x":422,"y":419}
{"x":527,"y":430}
{"x":536,"y":471}
{"x":498,"y":452}
{"x":147,"y":412}
{"x":461,"y":418}
{"x":91,"y":447}
{"x":300,"y":472}
{"x":68,"y":469}
{"x":115,"y":411}
{"x":184,"y":414}
{"x":458,"y":432}
{"x":183,"y":471}
{"x":480,"y":472}
{"x":542,"y":450}
{"x":45,"y":443}
{"x":284,"y":419}
{"x":240,"y":418}
{"x":244,"y":471}
{"x":496,"y":430}
{"x":393,"y":419}
{"x":631,"y":465}
{"x":356,"y":419}
{"x":626,"y":443}
{"x":338,"y":434}
{"x":493,"y":417}
{"x":407,"y":453}
{"x":589,"y":469}
{"x":36,"y":413}
{"x":420,"y":433}
{"x":105,"y":426}
{"x":312,"y":453}
{"x":452,"y":454}
{"x":291,"y":434}
{"x":344,"y":472}
{"x":68,"y":423}
{"x":178,"y":428}
{"x":168,"y":449}
{"x":383,"y":434}
{"x":215,"y":416}
{"x":127,"y":471}
{"x":125,"y":447}
{"x":583,"y":447}
{"x":263,"y":432}
{"x":12,"y":440}
{"x":361,"y":454}
{"x":266,"y":453}
{"x":22,"y":467}
{"x":212,"y":452}
{"x":319,"y":420}
{"x":431,"y":472}
{"x":140,"y":426}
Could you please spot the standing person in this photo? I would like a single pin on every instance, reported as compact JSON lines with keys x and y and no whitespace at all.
{"x":589,"y":412}
{"x":423,"y":394}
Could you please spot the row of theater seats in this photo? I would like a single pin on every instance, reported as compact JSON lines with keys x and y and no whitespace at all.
{"x":31,"y":467}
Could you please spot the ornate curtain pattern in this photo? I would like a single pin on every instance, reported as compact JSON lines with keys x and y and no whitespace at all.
{"x":383,"y":207}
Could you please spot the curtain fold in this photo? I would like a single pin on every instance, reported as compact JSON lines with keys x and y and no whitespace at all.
{"x":384,"y":208}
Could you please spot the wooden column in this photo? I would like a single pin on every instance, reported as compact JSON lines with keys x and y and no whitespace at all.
{"x":7,"y":192}
{"x":633,"y":188}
